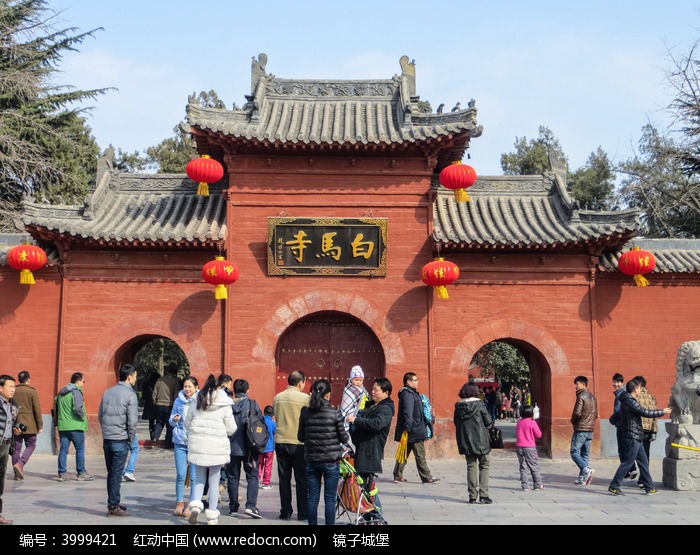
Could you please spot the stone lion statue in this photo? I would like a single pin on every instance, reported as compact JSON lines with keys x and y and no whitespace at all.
{"x":685,"y":393}
{"x":681,"y":466}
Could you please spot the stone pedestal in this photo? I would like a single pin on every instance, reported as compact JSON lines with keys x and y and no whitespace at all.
{"x":681,"y":467}
{"x":681,"y":475}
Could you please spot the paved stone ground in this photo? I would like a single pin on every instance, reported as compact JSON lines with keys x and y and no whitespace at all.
{"x":41,"y":500}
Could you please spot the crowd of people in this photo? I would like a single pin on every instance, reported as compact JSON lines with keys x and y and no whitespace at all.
{"x":207,"y":430}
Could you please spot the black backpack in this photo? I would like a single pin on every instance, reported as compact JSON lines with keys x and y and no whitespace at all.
{"x":256,"y":433}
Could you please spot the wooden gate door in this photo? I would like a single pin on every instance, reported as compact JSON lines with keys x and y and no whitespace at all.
{"x":327,"y":345}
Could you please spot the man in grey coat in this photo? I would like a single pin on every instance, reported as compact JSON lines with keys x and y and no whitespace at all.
{"x":118,"y":415}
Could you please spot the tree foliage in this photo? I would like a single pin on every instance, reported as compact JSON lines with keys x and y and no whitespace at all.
{"x":502,"y":361}
{"x":155,"y":355}
{"x":657,"y":182}
{"x":593,"y":185}
{"x":533,"y":157}
{"x":46,"y":148}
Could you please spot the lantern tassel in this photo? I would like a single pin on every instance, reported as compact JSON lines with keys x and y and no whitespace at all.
{"x":220,"y":292}
{"x":26,"y":277}
{"x":442,"y":292}
{"x":203,"y":189}
{"x":640,"y":280}
{"x":461,"y":195}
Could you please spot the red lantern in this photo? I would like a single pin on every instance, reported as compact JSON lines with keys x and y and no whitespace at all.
{"x":26,"y":258}
{"x":204,"y":170}
{"x":220,"y":272}
{"x":439,"y":273}
{"x":637,"y":262}
{"x":458,"y":176}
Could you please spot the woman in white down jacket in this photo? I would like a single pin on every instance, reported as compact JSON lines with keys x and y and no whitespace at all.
{"x":209,"y":426}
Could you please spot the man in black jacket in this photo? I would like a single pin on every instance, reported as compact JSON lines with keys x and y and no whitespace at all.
{"x":633,"y":436}
{"x":410,"y":419}
{"x":370,"y":429}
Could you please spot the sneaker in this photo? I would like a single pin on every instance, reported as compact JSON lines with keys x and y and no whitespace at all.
{"x":641,"y":485}
{"x":129,"y":477}
{"x":589,"y":476}
{"x":85,"y":477}
{"x":61,"y":477}
{"x":399,"y":480}
{"x":253,"y":512}
{"x":615,"y":491}
{"x":117,"y":511}
{"x":632,"y":475}
{"x":539,"y":486}
{"x":652,"y":491}
{"x":268,"y":486}
{"x":485,"y":501}
{"x":432,"y":481}
{"x":525,"y":488}
{"x":579,"y":481}
{"x":233,"y":512}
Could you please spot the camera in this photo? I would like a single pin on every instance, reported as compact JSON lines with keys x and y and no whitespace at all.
{"x":21,"y":427}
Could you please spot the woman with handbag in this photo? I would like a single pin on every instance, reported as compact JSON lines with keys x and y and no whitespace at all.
{"x":471,"y":423}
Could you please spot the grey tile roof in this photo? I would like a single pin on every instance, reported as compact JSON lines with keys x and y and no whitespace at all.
{"x":335,"y":114}
{"x":672,"y":255}
{"x":148,"y":210}
{"x":524,"y":212}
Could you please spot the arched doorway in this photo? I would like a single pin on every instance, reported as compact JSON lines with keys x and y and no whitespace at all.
{"x":327,"y":345}
{"x":537,"y":378}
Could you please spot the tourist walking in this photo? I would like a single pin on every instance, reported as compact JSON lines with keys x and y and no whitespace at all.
{"x":648,"y":401}
{"x":9,"y":411}
{"x":633,"y":437}
{"x":370,"y":430}
{"x":164,"y":394}
{"x":29,"y":423}
{"x":322,"y":431}
{"x":118,"y":415}
{"x":527,"y":432}
{"x":618,"y":384}
{"x":241,"y":454}
{"x":71,"y":422}
{"x":267,"y":456}
{"x":289,"y":450}
{"x":583,"y":420}
{"x":208,"y":427}
{"x":183,"y":404}
{"x":149,"y":409}
{"x":471,"y":421}
{"x":410,"y":419}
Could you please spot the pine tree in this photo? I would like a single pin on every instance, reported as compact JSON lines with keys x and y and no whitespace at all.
{"x":46,"y":148}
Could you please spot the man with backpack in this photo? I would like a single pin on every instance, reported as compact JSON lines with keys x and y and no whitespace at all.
{"x":243,"y":452}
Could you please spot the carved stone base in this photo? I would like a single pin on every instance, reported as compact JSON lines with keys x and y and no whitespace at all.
{"x":681,"y":475}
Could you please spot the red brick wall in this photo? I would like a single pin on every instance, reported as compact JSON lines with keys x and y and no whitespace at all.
{"x":541,"y":303}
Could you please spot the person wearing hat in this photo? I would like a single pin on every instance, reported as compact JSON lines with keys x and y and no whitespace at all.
{"x":354,"y":397}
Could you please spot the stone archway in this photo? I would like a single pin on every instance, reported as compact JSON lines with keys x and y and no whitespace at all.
{"x":326,"y":345}
{"x":544,"y":355}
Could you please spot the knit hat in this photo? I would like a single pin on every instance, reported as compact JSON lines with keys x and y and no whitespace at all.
{"x":356,"y":372}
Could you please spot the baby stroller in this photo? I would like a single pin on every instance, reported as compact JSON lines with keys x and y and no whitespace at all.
{"x":355,"y":498}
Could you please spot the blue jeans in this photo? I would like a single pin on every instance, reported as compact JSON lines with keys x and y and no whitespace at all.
{"x":116,"y":452}
{"x":581,"y":449}
{"x":180,"y":451}
{"x":330,"y":472}
{"x":133,"y":455}
{"x":77,"y":438}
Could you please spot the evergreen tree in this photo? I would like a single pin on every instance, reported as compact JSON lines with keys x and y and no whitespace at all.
{"x":46,"y":149}
{"x":533,"y":157}
{"x":593,"y":185}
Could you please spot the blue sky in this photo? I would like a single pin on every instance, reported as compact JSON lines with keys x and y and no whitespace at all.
{"x":594,"y":72}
